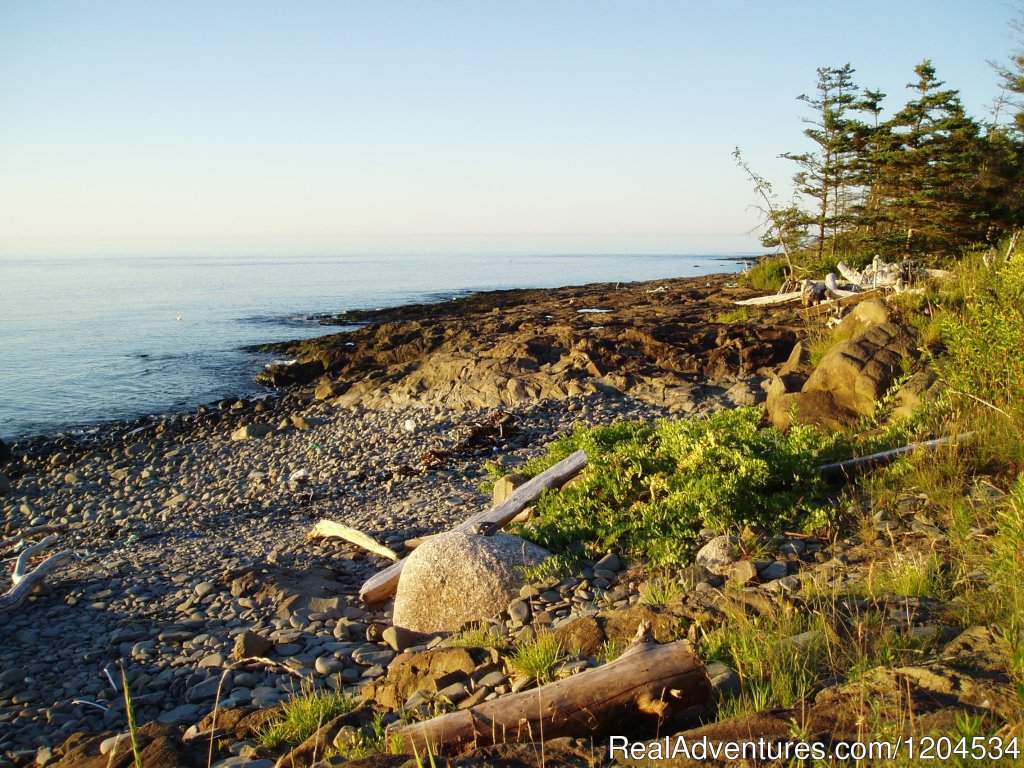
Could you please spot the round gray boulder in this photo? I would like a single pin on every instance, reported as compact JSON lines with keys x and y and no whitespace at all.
{"x":457,"y":578}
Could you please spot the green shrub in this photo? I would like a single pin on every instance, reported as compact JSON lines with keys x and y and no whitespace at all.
{"x":649,"y":488}
{"x":767,"y":275}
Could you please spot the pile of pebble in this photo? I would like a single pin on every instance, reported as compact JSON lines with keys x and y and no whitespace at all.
{"x":169,"y":514}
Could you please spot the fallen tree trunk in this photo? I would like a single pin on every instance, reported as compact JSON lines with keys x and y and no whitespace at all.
{"x":644,"y":683}
{"x":24,"y":581}
{"x":326,"y":529}
{"x":383,"y":584}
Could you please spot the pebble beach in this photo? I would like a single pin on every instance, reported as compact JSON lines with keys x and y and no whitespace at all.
{"x":187,"y":538}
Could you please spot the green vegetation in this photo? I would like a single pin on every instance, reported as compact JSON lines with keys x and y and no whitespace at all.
{"x":538,"y":657}
{"x":660,"y":591}
{"x":649,"y":489}
{"x":477,"y":637}
{"x":738,"y":315}
{"x":303,"y":715}
{"x":767,"y":275}
{"x":553,"y":568}
{"x":612,"y":649}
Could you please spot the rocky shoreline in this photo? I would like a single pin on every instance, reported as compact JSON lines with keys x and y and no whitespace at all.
{"x":190,"y":534}
{"x":195,"y":573}
{"x":662,"y":342}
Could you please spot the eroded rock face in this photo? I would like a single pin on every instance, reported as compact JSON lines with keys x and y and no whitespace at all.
{"x":869,"y":354}
{"x":859,"y":371}
{"x":456,"y":578}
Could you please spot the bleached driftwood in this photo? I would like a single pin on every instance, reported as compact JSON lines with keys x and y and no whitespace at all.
{"x":878,"y":274}
{"x":777,"y":298}
{"x":832,"y":286}
{"x":383,"y":584}
{"x":852,"y":466}
{"x":326,"y":529}
{"x":24,"y":581}
{"x":850,"y":274}
{"x":648,"y":680}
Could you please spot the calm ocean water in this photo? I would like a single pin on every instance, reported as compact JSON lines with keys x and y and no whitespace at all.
{"x":86,"y":340}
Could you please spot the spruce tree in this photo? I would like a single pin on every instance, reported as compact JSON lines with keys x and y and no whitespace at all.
{"x":928,"y":163}
{"x":826,"y":173}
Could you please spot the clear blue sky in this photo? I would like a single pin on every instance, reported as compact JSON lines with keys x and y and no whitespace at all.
{"x":540,"y":125}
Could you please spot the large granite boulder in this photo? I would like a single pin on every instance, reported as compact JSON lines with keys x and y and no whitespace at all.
{"x":453,"y":579}
{"x":869,"y":353}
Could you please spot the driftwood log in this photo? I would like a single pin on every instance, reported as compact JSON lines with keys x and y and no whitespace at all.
{"x":326,"y":529}
{"x":851,"y":467}
{"x":646,"y":682}
{"x":24,"y":581}
{"x":384,"y":583}
{"x":778,"y":298}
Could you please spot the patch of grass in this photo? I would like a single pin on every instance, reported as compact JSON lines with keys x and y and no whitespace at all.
{"x":785,"y":655}
{"x":371,"y":739}
{"x":538,"y":657}
{"x":303,"y":715}
{"x":477,"y":637}
{"x":556,"y":567}
{"x":649,"y":488}
{"x":984,"y":368}
{"x":611,"y":649}
{"x":911,"y":574}
{"x":738,"y":315}
{"x":660,"y":591}
{"x":781,"y":657}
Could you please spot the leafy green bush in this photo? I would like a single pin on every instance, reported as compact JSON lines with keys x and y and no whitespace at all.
{"x":649,"y":488}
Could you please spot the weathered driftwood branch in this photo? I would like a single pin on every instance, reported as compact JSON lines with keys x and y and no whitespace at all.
{"x":777,"y":298}
{"x":384,"y":583}
{"x":852,"y":466}
{"x":647,"y":681}
{"x":325,"y":529}
{"x":830,"y":304}
{"x":24,"y":581}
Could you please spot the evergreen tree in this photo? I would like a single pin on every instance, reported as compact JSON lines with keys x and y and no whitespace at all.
{"x":1003,"y":163}
{"x":826,"y":173}
{"x":928,"y":162}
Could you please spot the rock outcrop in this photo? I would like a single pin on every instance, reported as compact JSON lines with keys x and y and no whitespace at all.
{"x":656,"y":341}
{"x":868,"y":354}
{"x":455,"y":578}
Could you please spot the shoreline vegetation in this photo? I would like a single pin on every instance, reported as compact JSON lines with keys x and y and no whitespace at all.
{"x":884,"y":605}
